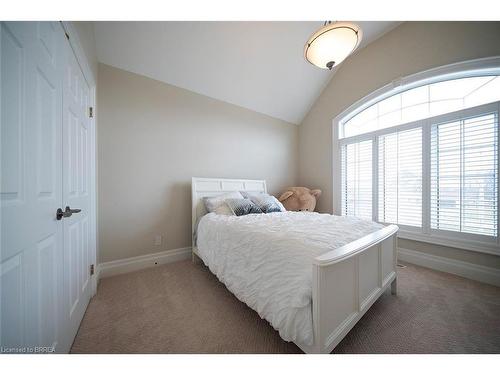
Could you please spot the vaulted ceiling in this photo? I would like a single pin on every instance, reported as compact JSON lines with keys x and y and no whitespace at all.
{"x":255,"y":65}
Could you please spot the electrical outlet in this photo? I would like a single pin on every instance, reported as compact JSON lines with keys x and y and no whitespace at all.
{"x":158,"y":240}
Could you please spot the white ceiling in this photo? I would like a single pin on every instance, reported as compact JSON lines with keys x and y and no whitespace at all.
{"x":256,"y":65}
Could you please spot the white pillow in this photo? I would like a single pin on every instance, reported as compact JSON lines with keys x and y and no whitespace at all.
{"x":216,"y":204}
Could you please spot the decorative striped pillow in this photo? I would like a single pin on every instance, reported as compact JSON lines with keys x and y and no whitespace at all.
{"x":242,"y":207}
{"x":266,"y":202}
{"x":270,"y":204}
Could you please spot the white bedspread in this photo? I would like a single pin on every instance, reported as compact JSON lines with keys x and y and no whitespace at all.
{"x":266,"y":260}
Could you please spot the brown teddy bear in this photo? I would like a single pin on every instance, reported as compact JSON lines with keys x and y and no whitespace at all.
{"x":299,"y":198}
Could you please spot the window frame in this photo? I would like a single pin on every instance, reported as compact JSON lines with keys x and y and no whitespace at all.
{"x":473,"y":242}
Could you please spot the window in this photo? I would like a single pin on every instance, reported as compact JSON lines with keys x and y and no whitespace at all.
{"x":464,"y":180}
{"x":427,"y":160}
{"x":357,"y":179}
{"x":423,"y":102}
{"x":400,"y":177}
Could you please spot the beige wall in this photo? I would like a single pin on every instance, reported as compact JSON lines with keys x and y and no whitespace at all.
{"x":153,"y":137}
{"x":410,"y":48}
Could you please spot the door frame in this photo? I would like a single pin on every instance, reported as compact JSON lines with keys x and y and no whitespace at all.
{"x":84,"y":63}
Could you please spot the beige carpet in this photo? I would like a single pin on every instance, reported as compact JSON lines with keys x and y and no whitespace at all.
{"x":183,"y":308}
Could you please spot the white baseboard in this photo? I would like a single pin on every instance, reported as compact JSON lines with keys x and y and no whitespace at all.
{"x":117,"y":267}
{"x":468,"y":270}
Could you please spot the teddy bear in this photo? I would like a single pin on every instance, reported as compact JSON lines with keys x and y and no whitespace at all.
{"x":299,"y":198}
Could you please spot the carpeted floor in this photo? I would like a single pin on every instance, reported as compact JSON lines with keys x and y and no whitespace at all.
{"x":183,"y":308}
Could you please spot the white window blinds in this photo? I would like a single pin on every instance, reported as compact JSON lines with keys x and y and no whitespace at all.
{"x":356,"y":165}
{"x":400,"y":178}
{"x":464,"y":175}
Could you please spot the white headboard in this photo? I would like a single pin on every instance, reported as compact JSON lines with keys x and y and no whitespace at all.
{"x":209,"y":187}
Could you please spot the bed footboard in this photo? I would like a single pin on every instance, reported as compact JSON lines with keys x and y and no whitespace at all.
{"x":346,"y":282}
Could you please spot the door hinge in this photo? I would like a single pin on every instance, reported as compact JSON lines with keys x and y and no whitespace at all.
{"x":91,"y":269}
{"x":91,"y":112}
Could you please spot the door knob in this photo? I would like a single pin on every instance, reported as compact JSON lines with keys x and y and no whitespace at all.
{"x":68,"y":211}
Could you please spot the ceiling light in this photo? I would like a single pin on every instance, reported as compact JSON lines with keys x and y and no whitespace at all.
{"x":331,"y":44}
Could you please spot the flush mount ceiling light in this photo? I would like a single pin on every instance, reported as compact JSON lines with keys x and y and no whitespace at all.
{"x":331,"y":44}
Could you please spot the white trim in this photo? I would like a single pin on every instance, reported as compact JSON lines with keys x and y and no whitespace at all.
{"x":457,"y":242}
{"x":117,"y":267}
{"x":468,"y":270}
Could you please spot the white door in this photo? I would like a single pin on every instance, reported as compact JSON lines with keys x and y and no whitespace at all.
{"x":31,"y":185}
{"x":46,"y":145}
{"x":76,"y":195}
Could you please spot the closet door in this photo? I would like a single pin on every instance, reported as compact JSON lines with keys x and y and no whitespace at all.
{"x":76,"y":192}
{"x":31,"y":253}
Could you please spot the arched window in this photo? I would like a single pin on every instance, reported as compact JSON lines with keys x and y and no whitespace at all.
{"x":424,"y":155}
{"x":423,"y":102}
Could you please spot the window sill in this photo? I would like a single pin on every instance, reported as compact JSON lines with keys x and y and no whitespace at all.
{"x":482,"y":247}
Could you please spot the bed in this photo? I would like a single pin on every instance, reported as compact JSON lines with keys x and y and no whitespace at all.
{"x":312,"y":283}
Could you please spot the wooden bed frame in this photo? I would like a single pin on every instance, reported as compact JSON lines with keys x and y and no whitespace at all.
{"x":345,"y":281}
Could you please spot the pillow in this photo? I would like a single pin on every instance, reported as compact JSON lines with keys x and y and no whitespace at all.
{"x":243,"y":206}
{"x":266,"y":202}
{"x":271,"y":204}
{"x":245,"y":194}
{"x":216,"y":204}
{"x":280,"y":205}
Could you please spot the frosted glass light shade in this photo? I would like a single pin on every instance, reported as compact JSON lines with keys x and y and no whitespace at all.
{"x":331,"y":44}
